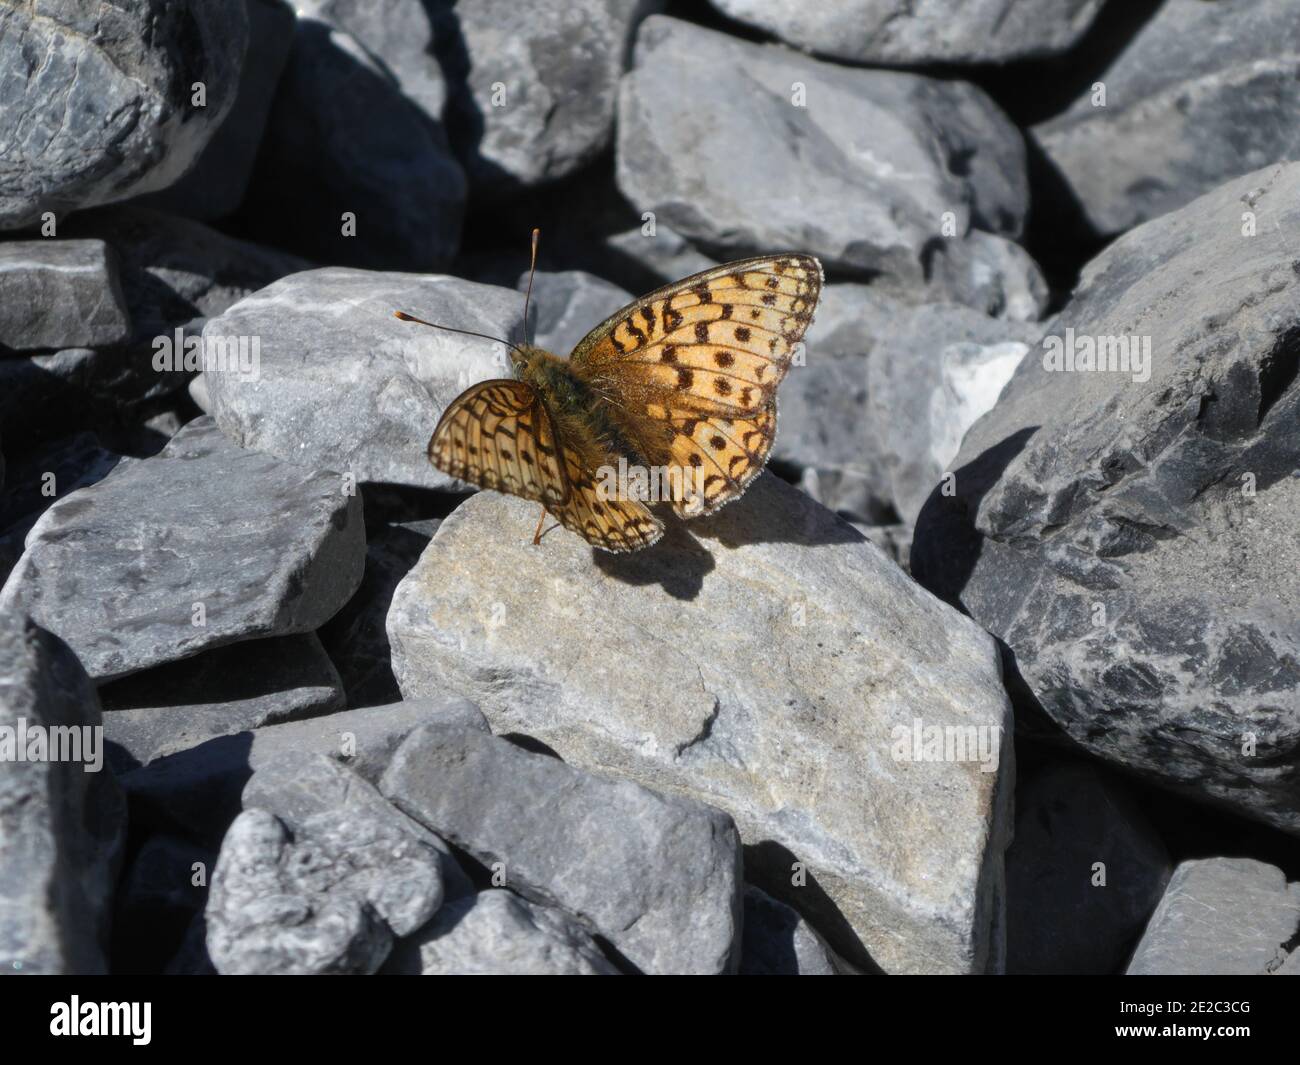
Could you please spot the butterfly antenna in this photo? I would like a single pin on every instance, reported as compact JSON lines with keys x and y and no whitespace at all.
{"x":403,"y":316}
{"x":532,"y":269}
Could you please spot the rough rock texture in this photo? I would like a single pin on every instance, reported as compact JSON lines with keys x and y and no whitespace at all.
{"x":62,"y":820}
{"x":98,"y":98}
{"x":937,"y":369}
{"x":650,"y":260}
{"x":534,"y":86}
{"x":1220,"y":917}
{"x":877,"y":157}
{"x":778,"y":942}
{"x":1084,"y":873}
{"x":496,"y":933}
{"x":767,"y":661}
{"x":60,"y":294}
{"x":326,"y":155}
{"x":1131,"y":535}
{"x":219,"y":693}
{"x":346,"y":385}
{"x":1204,"y":93}
{"x":203,"y":545}
{"x":932,"y":31}
{"x":569,"y":305}
{"x":196,"y":792}
{"x":326,"y":898}
{"x":214,"y":187}
{"x":658,"y":877}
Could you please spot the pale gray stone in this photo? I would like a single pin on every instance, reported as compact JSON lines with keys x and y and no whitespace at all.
{"x":1203,"y":94}
{"x":98,"y":98}
{"x":569,"y":305}
{"x":496,"y":933}
{"x":664,"y":255}
{"x":934,"y":31}
{"x":120,"y":570}
{"x":345,"y":385}
{"x":1220,"y":917}
{"x":658,"y":877}
{"x":231,"y":689}
{"x":766,"y":660}
{"x":62,"y":819}
{"x":60,"y":294}
{"x":858,"y":167}
{"x":1129,"y":532}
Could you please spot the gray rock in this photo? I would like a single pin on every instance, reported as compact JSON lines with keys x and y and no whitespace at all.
{"x":875,"y":159}
{"x":895,"y":541}
{"x":658,"y":877}
{"x":1204,"y":93}
{"x":1220,"y":917}
{"x":496,"y":933}
{"x":535,"y":86}
{"x":938,"y":369}
{"x":1129,"y":534}
{"x":356,"y":637}
{"x":214,"y":187}
{"x":727,"y":656}
{"x":570,"y":305}
{"x":162,"y":895}
{"x":62,"y":818}
{"x":988,"y":273}
{"x":196,"y":792}
{"x":219,"y":693}
{"x":60,"y":294}
{"x":778,"y":942}
{"x":664,"y":255}
{"x":946,"y":31}
{"x":203,"y":545}
{"x":319,"y":900}
{"x":346,"y":385}
{"x":47,"y":473}
{"x":99,"y":98}
{"x":334,"y":184}
{"x":301,"y":787}
{"x":1084,"y":873}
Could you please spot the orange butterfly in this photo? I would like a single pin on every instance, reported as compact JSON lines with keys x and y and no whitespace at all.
{"x":681,"y":381}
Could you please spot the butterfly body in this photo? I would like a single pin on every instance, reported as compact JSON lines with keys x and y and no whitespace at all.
{"x":682,"y":380}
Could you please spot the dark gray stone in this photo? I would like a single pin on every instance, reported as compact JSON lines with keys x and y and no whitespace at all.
{"x":1130,"y":532}
{"x":658,"y":877}
{"x":60,"y":294}
{"x":246,"y":545}
{"x":62,"y":818}
{"x":778,"y":942}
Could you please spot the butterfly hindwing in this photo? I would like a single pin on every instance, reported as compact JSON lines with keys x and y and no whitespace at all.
{"x":497,"y":434}
{"x":720,"y":455}
{"x":716,"y":343}
{"x":610,"y":524}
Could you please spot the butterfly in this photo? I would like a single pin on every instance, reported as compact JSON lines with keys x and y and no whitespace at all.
{"x":681,"y":381}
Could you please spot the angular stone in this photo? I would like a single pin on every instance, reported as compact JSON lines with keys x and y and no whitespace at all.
{"x":534,"y":87}
{"x":878,"y":157}
{"x":196,"y":792}
{"x":766,"y":660}
{"x":338,"y":186}
{"x":778,"y":942}
{"x":938,"y":369}
{"x":569,"y":305}
{"x":1203,"y":94}
{"x":496,"y":933}
{"x":98,"y":98}
{"x":658,"y":877}
{"x":1129,"y":532}
{"x":204,"y":531}
{"x":327,"y":898}
{"x":1220,"y":917}
{"x":1084,"y":873}
{"x":60,"y":294}
{"x":219,"y":693}
{"x":938,"y":31}
{"x":648,"y":261}
{"x":62,"y":819}
{"x":162,"y":894}
{"x":345,"y":385}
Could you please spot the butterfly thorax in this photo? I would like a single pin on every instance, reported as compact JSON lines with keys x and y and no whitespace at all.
{"x":579,"y":411}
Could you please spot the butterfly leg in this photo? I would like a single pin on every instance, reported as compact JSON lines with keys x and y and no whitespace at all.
{"x":537,"y":533}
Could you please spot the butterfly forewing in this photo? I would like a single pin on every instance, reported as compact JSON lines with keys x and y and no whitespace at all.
{"x":497,"y":434}
{"x":716,"y":343}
